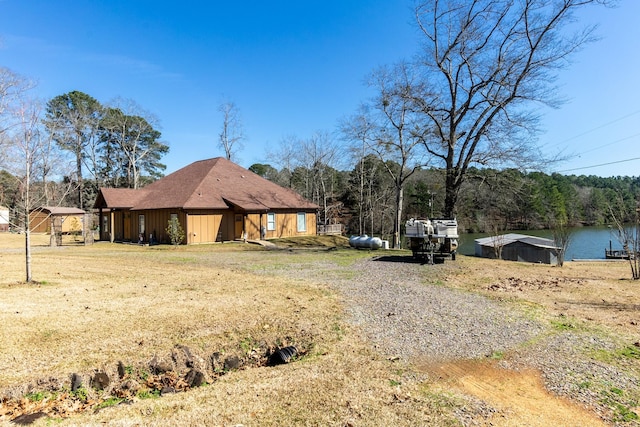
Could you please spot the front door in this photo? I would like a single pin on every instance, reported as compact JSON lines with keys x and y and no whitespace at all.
{"x":239,"y":226}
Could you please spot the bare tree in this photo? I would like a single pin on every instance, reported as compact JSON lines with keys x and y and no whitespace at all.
{"x":232,"y":133}
{"x":283,"y":157}
{"x":497,"y":240}
{"x":562,"y":238}
{"x":12,"y":87}
{"x":392,"y":138}
{"x":51,"y":162}
{"x":318,"y":156}
{"x":357,"y":129}
{"x":629,"y":237}
{"x":27,"y":147}
{"x":309,"y":166}
{"x":633,"y":246}
{"x":485,"y":63}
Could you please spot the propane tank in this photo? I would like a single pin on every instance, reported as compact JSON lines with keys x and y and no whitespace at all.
{"x":365,"y":242}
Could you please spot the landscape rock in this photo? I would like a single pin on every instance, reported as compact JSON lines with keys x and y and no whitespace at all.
{"x":121,"y":370}
{"x":231,"y":363}
{"x":194,"y":378}
{"x":49,"y":384}
{"x":182,"y":357}
{"x":131,"y":385}
{"x":185,"y":359}
{"x":26,"y":419}
{"x":76,"y":382}
{"x":215,"y":362}
{"x":167,"y":390}
{"x":100,"y":381}
{"x":159,"y":366}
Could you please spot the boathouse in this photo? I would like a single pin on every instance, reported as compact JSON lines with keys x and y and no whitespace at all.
{"x":518,"y":247}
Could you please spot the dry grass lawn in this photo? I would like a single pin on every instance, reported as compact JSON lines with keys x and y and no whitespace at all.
{"x":95,"y":306}
{"x":597,"y":293}
{"x":92,"y":307}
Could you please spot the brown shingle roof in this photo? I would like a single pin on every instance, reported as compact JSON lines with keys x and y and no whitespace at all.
{"x":211,"y":184}
{"x":59,"y":210}
{"x":118,"y":197}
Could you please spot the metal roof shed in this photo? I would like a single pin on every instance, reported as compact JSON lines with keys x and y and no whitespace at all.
{"x":518,"y":247}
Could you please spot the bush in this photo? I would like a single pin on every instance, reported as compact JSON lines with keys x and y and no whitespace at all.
{"x":175,"y":231}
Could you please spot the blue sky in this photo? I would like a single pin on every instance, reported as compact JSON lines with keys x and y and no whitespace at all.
{"x":292,"y":68}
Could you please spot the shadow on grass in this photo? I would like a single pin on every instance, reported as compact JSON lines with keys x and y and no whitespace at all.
{"x":407,"y":259}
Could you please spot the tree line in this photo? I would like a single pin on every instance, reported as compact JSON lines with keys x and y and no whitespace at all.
{"x":363,"y":198}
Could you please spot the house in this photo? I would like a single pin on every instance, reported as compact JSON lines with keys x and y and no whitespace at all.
{"x":4,"y":219}
{"x":518,"y":247}
{"x":214,"y":200}
{"x":70,"y":220}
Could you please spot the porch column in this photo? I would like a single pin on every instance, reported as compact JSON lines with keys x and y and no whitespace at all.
{"x":112,"y":221}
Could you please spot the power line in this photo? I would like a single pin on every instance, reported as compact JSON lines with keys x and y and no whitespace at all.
{"x":610,"y":143}
{"x":600,"y":127}
{"x":601,"y":164}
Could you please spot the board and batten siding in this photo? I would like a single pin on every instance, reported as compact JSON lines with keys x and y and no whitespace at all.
{"x":208,"y":226}
{"x":252,"y":225}
{"x":40,"y":222}
{"x":204,"y":226}
{"x":152,"y":224}
{"x":119,"y":218}
{"x":286,"y":224}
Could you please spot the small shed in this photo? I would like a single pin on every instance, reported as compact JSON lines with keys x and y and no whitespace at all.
{"x":69,"y":219}
{"x":518,"y":247}
{"x":4,"y":219}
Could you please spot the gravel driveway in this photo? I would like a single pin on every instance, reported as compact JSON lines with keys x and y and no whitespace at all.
{"x":407,"y":318}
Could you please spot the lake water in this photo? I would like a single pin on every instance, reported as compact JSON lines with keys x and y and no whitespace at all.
{"x":585,"y":242}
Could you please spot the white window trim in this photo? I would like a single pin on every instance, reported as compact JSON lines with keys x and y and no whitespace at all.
{"x":302,"y":225}
{"x":271,"y":221}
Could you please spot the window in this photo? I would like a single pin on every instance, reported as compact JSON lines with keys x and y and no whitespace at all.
{"x":141,"y":224}
{"x":105,"y":223}
{"x":302,"y":222}
{"x":271,"y":221}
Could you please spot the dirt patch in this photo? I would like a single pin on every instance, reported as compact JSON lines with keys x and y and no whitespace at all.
{"x":517,"y":397}
{"x":517,"y":284}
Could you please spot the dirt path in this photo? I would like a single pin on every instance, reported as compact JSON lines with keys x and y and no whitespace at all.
{"x":519,"y":398}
